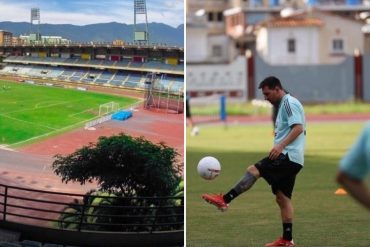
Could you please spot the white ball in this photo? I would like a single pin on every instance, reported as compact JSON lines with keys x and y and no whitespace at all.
{"x":209,"y":168}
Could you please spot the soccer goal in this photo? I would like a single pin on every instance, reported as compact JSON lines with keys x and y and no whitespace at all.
{"x":163,"y":93}
{"x":108,"y":108}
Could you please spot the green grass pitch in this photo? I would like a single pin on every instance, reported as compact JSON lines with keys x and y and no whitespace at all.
{"x":253,"y":219}
{"x":30,"y":111}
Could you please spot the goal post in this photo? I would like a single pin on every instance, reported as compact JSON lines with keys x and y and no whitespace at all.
{"x":108,"y":108}
{"x":163,"y":93}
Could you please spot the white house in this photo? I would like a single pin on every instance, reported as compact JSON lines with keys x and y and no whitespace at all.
{"x":312,"y":37}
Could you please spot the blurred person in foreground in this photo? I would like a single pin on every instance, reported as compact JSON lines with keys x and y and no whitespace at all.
{"x":355,"y":166}
{"x":282,"y":163}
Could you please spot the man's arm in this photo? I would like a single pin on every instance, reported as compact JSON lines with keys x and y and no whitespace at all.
{"x":296,"y":130}
{"x":356,"y":188}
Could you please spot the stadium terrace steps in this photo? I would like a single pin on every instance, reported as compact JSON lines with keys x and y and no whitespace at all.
{"x":127,"y":79}
{"x":125,"y":63}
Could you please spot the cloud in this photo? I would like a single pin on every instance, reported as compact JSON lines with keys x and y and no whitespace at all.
{"x":82,"y":12}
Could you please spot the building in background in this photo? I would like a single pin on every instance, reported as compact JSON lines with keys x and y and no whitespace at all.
{"x":213,"y":64}
{"x":16,"y":41}
{"x":5,"y":38}
{"x":310,"y":37}
{"x":221,"y":47}
{"x":43,"y":40}
{"x":118,"y":42}
{"x":242,"y":19}
{"x":205,"y":29}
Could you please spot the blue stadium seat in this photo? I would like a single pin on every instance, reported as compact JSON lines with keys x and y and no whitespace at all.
{"x":29,"y":243}
{"x":52,"y":245}
{"x":6,"y":244}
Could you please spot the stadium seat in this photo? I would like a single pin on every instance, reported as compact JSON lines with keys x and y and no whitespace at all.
{"x":29,"y":243}
{"x":52,"y":245}
{"x":6,"y":244}
{"x":121,"y":77}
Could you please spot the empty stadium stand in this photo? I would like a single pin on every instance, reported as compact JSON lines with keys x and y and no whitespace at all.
{"x":127,"y":64}
{"x":122,"y":74}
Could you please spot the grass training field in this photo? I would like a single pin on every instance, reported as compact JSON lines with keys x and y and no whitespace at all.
{"x":31,"y":111}
{"x":253,"y":219}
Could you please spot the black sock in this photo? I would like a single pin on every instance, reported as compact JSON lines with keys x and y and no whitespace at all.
{"x":287,"y":231}
{"x":229,"y":196}
{"x":245,"y":183}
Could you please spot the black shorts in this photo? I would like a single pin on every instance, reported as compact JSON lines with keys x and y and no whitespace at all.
{"x":279,"y":173}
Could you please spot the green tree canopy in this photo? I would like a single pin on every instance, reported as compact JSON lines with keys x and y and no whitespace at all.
{"x":123,"y":164}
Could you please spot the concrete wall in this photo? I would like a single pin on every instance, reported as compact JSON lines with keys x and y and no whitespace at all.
{"x":196,"y":44}
{"x":221,"y":41}
{"x":203,"y":78}
{"x":313,"y":83}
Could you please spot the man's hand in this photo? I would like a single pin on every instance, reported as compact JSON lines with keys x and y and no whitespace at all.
{"x":295,"y":131}
{"x":275,"y":152}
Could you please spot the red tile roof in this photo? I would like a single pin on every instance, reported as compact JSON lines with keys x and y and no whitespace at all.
{"x":293,"y":22}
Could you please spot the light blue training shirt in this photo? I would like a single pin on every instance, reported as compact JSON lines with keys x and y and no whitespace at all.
{"x":356,"y":163}
{"x":291,"y":112}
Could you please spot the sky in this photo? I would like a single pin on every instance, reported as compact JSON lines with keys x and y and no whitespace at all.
{"x":83,"y":12}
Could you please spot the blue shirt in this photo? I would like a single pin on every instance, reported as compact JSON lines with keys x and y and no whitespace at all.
{"x":290,"y":112}
{"x":356,"y":163}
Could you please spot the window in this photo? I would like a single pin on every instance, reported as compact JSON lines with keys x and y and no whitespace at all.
{"x":216,"y":51}
{"x":210,"y":16}
{"x":337,"y":45}
{"x":220,"y":16}
{"x":291,"y":45}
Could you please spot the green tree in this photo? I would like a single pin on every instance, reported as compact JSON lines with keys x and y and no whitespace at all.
{"x":123,"y":165}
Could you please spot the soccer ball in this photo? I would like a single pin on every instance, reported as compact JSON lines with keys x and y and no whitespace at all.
{"x":209,"y":168}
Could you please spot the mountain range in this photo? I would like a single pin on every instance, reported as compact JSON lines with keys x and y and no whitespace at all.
{"x":101,"y":32}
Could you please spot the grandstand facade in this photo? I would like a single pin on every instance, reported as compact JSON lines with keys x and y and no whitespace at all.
{"x":125,"y":67}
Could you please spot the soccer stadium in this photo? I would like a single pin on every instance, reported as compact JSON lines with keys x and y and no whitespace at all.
{"x":59,"y":99}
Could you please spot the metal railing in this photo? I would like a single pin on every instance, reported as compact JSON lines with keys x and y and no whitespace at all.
{"x":90,"y":212}
{"x":103,"y":44}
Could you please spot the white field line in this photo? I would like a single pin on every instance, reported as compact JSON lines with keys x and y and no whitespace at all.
{"x":50,"y":133}
{"x":78,"y":113}
{"x":6,"y":147}
{"x":41,"y":104}
{"x":67,"y":127}
{"x":36,"y":107}
{"x":28,"y":122}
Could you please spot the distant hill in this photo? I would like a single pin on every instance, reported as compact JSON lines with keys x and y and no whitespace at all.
{"x":101,"y":32}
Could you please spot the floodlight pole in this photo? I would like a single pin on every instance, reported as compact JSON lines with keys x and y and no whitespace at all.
{"x":35,"y":16}
{"x":140,"y":9}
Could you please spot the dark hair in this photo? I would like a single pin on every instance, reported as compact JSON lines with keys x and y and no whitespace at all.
{"x":271,"y":82}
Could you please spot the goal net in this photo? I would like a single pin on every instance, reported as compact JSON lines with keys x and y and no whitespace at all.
{"x":164,"y":93}
{"x":108,"y":108}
